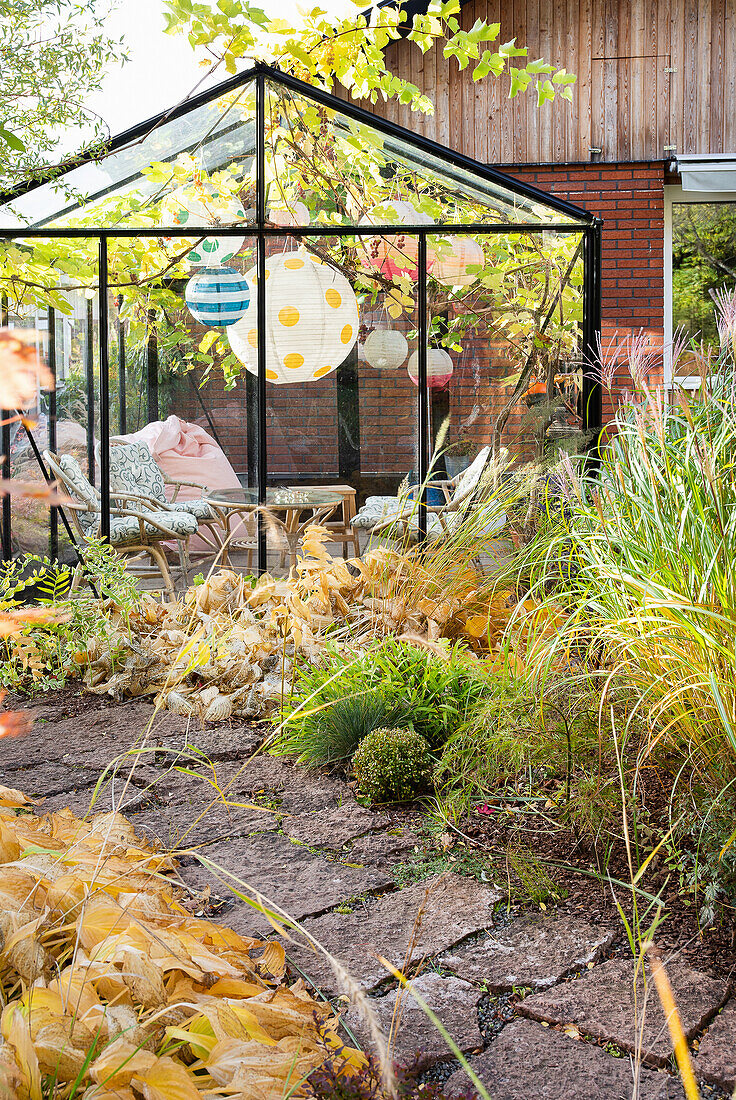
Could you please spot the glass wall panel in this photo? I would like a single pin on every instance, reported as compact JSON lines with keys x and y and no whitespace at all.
{"x":64,"y":420}
{"x":340,"y":419}
{"x":505,"y":345}
{"x":177,"y":387}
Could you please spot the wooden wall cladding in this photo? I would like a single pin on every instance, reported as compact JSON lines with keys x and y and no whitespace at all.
{"x":655,"y":77}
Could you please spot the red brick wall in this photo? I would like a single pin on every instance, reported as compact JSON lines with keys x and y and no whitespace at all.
{"x":630,"y":199}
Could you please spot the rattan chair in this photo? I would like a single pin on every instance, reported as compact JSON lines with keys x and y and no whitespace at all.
{"x":133,"y":530}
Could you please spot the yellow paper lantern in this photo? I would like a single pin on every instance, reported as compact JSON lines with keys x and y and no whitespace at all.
{"x":311,"y":320}
{"x":439,"y":368}
{"x":393,"y":255}
{"x":450,"y":260}
{"x":385,"y":349}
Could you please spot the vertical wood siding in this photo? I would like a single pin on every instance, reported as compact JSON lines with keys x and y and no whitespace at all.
{"x":627,"y":102}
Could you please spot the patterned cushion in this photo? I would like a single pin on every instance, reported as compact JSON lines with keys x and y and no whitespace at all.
{"x":376,"y":509}
{"x":198,"y":508}
{"x":469,"y":478}
{"x":81,"y":490}
{"x":133,"y":470}
{"x":125,"y":529}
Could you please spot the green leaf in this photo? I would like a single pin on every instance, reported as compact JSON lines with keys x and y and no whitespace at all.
{"x":11,"y":139}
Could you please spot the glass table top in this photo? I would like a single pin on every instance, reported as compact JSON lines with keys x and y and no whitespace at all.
{"x":286,"y":497}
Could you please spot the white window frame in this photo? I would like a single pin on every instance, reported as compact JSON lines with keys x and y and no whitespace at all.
{"x":673,"y":193}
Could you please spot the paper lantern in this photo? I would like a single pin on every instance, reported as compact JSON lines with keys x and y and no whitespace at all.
{"x":311,"y":320}
{"x":198,"y":206}
{"x":439,"y":368}
{"x":393,"y":255}
{"x":385,"y":349}
{"x":296,"y":213}
{"x":451,"y":259}
{"x":217,"y":296}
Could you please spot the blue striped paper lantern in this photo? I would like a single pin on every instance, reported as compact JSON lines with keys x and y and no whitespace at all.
{"x":217,"y":296}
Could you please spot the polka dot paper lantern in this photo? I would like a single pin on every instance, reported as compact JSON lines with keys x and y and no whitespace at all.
{"x":296,"y":213}
{"x":439,"y":368}
{"x":217,"y":296}
{"x":393,"y":255}
{"x":385,"y":349}
{"x":311,"y":320}
{"x":452,"y":258}
{"x":198,"y":207}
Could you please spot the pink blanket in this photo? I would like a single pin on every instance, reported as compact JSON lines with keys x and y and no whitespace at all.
{"x":185,"y":452}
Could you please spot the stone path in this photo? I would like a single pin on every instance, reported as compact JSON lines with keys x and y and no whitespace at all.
{"x":541,"y":1003}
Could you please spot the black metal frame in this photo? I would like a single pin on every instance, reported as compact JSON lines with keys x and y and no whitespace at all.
{"x":588,"y":226}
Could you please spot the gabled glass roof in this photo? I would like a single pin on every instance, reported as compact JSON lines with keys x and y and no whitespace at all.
{"x":327,"y":163}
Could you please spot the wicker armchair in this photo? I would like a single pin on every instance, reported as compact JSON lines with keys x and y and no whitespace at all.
{"x":135,"y":528}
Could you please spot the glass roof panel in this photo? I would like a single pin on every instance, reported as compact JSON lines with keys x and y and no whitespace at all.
{"x":347,"y":172}
{"x":325,"y":166}
{"x":129,"y":186}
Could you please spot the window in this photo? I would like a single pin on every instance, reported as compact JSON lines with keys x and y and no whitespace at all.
{"x":700,"y":258}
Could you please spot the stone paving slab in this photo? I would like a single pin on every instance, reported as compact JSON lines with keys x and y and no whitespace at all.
{"x":336,"y":826}
{"x":453,"y":907}
{"x":453,"y":1001}
{"x":49,"y":779}
{"x":286,"y":874}
{"x":176,"y":825}
{"x":534,"y":951}
{"x":299,"y":790}
{"x":377,"y":849}
{"x":529,"y":1062}
{"x":602,"y":1004}
{"x":716,"y":1059}
{"x":109,"y":730}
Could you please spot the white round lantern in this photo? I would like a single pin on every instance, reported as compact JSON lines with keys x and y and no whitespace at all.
{"x":385,"y":349}
{"x":393,"y":255}
{"x":217,"y":296}
{"x":311,"y":320}
{"x":198,"y":206}
{"x":296,"y":213}
{"x":452,"y":258}
{"x":439,"y":368}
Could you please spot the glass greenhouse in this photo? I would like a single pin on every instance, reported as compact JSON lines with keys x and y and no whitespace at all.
{"x":416,"y":306}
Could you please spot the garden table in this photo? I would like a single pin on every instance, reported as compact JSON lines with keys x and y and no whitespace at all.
{"x":285,"y":507}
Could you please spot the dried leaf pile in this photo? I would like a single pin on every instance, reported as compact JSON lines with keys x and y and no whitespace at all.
{"x":227,"y":649}
{"x":111,"y":989}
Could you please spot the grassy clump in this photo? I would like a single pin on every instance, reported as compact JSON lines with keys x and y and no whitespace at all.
{"x":391,"y":683}
{"x":393,"y":765}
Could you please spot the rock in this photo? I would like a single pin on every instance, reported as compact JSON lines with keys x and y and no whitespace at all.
{"x":298,"y":789}
{"x":376,"y":848}
{"x":535,"y":950}
{"x":177,"y":825}
{"x":526,"y":1060}
{"x":285,"y":874}
{"x":454,"y":1003}
{"x":77,"y":801}
{"x":334,"y":827}
{"x":602,"y":1004}
{"x":716,"y":1060}
{"x":452,"y":907}
{"x":44,"y":780}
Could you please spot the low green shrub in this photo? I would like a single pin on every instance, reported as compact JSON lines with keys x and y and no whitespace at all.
{"x":333,"y":705}
{"x":393,"y":765}
{"x":41,"y":657}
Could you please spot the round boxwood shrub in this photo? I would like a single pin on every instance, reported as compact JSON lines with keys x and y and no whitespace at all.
{"x":392,"y":765}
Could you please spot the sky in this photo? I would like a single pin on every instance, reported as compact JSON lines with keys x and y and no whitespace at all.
{"x":163,"y":68}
